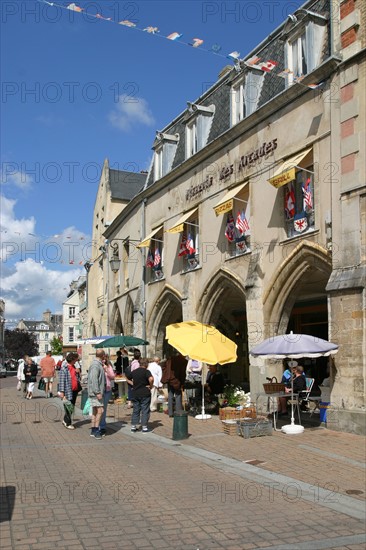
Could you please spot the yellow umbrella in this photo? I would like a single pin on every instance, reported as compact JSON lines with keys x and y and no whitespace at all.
{"x":201,"y":342}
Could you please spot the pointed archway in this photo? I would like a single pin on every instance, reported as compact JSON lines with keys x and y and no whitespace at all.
{"x":128,"y":324}
{"x":302,"y":277}
{"x":167,"y":310}
{"x":297,"y":300}
{"x":116,"y":321}
{"x":223,"y":305}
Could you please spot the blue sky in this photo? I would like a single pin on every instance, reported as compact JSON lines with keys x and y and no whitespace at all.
{"x":77,"y":89}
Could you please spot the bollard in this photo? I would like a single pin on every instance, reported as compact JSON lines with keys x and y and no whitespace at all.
{"x":323,"y":405}
{"x":84,"y":397}
{"x":180,"y":425}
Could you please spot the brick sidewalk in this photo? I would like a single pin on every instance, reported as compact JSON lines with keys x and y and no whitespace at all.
{"x":61,"y":488}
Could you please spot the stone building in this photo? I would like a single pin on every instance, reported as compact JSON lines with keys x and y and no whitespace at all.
{"x":252,"y":217}
{"x":44,"y":330}
{"x":72,"y":325}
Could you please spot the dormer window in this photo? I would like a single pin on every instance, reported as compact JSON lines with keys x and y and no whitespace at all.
{"x":165,"y":147}
{"x":198,"y":121}
{"x":245,"y":93}
{"x":305,"y":36}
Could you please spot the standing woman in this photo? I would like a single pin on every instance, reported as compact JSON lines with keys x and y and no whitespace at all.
{"x":109,"y":377}
{"x":69,"y":387}
{"x":30,"y":375}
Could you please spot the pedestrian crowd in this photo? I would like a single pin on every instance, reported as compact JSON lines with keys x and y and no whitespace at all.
{"x":145,"y":381}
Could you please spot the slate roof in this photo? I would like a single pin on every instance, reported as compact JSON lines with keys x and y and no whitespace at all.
{"x":220,"y":95}
{"x":125,"y":185}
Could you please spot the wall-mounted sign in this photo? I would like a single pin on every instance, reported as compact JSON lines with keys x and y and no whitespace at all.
{"x":226,"y":172}
{"x":282,"y":179}
{"x":251,"y":158}
{"x":197,"y":189}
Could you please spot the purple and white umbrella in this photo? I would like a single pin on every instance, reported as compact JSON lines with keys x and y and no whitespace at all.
{"x":293,"y":346}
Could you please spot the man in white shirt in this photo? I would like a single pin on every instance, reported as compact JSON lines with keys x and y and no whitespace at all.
{"x":156,"y":372}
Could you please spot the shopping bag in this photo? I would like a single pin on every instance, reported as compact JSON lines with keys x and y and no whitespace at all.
{"x":41,"y":384}
{"x":86,"y":409}
{"x":19,"y":385}
{"x":68,"y":406}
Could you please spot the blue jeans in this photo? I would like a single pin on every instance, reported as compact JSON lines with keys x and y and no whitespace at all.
{"x":106,"y":398}
{"x":141,"y":407}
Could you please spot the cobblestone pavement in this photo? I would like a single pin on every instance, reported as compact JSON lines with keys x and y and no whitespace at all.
{"x":62,"y":489}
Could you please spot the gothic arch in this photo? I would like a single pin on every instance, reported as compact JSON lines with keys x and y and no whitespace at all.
{"x":128,"y":323}
{"x":217,"y":287}
{"x":167,"y":309}
{"x":302,"y":265}
{"x":116,"y":321}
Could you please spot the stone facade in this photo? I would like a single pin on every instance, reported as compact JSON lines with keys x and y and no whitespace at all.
{"x":299,"y":265}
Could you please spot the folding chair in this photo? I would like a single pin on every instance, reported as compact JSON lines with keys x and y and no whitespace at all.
{"x":304,"y":396}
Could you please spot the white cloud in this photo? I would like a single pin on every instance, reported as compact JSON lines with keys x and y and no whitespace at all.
{"x":14,"y":233}
{"x":37,"y":270}
{"x":10,"y":174}
{"x":32,"y":288}
{"x":131,"y":111}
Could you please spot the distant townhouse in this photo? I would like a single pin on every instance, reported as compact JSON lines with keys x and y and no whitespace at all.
{"x":45,"y":330}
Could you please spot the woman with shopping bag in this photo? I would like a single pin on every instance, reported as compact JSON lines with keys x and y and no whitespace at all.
{"x":69,"y":387}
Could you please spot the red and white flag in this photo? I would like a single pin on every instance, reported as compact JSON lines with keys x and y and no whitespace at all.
{"x":290,"y":201}
{"x":190,"y":245}
{"x":183,"y":246}
{"x":241,"y":224}
{"x":268,"y":66}
{"x":157,"y":258}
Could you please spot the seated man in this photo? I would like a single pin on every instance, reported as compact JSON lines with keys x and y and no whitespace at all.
{"x":215,"y":381}
{"x":299,"y":385}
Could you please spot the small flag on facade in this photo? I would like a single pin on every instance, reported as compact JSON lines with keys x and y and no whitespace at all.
{"x":308,"y":199}
{"x":290,"y":201}
{"x":190,"y":245}
{"x":149,"y":259}
{"x":157,"y":258}
{"x":300,"y":222}
{"x":230,"y":228}
{"x":183,"y":246}
{"x":241,"y":224}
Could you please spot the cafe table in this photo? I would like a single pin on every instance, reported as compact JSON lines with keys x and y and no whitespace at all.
{"x":272,"y":404}
{"x":122,"y":386}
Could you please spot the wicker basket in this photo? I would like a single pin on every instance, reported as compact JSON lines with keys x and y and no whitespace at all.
{"x":254,"y":428}
{"x":273,"y":386}
{"x":231,"y":413}
{"x":230,"y":427}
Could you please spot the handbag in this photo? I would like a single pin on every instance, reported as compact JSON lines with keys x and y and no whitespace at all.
{"x":86,"y":409}
{"x":41,"y":384}
{"x":273,"y":386}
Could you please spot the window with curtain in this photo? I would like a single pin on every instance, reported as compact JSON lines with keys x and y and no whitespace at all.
{"x":245,"y":94}
{"x":165,"y":147}
{"x":304,"y":46}
{"x":198,"y":121}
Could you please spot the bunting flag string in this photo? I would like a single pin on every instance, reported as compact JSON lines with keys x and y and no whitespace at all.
{"x":255,"y":62}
